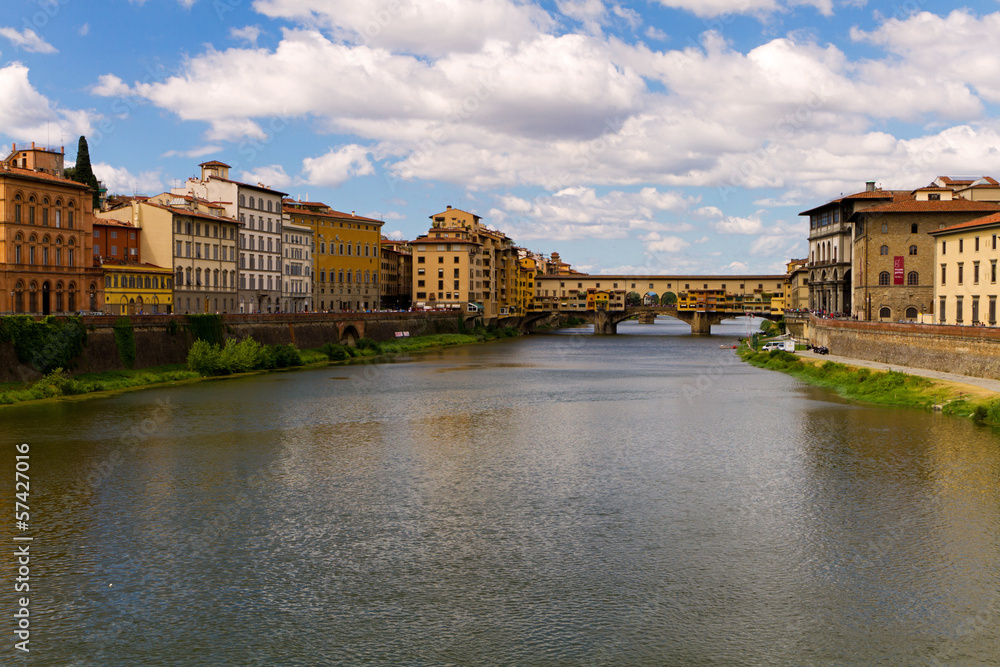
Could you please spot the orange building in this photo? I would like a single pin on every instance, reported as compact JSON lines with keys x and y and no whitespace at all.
{"x":46,"y":242}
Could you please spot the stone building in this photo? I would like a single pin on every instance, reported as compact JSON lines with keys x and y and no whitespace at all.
{"x":297,"y":280}
{"x":397,"y":274}
{"x":893,"y":251}
{"x":46,"y":236}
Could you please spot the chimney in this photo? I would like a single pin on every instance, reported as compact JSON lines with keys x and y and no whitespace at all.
{"x":869,"y":186}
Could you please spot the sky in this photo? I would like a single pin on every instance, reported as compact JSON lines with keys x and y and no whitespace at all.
{"x":666,"y":136}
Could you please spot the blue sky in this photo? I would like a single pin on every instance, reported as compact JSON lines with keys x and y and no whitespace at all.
{"x":668,"y":136}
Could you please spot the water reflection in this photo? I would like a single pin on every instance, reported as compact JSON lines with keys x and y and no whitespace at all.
{"x":638,"y":499}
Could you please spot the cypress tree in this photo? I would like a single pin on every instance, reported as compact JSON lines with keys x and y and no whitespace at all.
{"x":83,"y":173}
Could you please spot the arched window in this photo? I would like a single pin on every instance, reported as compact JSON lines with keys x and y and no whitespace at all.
{"x":71,"y":296}
{"x":179,"y":278}
{"x":884,"y":250}
{"x":269,"y":203}
{"x":913,"y":250}
{"x":911,"y":313}
{"x":19,"y":297}
{"x":883,"y":278}
{"x":884,"y":313}
{"x":322,"y":248}
{"x":59,"y":296}
{"x":69,"y":216}
{"x":251,"y":202}
{"x":912,"y":278}
{"x":340,"y":276}
{"x":187,"y":276}
{"x":243,"y":200}
{"x":322,"y":275}
{"x":348,"y":277}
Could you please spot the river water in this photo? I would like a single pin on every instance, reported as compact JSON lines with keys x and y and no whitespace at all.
{"x":560,"y":499}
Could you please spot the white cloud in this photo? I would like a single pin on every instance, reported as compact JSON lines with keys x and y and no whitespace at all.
{"x":580,"y":212}
{"x":109,"y":85}
{"x":338,"y":165}
{"x":271,"y":175}
{"x":248,"y":34}
{"x":715,"y":8}
{"x":670,"y":244}
{"x":83,"y":30}
{"x":395,"y":235}
{"x":198,"y":151}
{"x":28,"y":40}
{"x":120,"y":180}
{"x":655,"y":33}
{"x":737,"y":225}
{"x":26,"y":114}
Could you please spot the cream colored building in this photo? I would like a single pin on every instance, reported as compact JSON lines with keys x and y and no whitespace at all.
{"x":965,"y":279}
{"x":296,"y":288}
{"x":258,"y":209}
{"x":196,"y":240}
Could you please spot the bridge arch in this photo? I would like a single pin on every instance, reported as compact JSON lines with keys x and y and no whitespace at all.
{"x":633,"y":299}
{"x":668,"y":299}
{"x":650,"y":298}
{"x":349,"y":336}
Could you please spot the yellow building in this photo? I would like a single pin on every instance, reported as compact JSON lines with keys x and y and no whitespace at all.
{"x":346,"y":258}
{"x":460,"y":264}
{"x":527,"y":269}
{"x":965,"y":279}
{"x":136,"y":289}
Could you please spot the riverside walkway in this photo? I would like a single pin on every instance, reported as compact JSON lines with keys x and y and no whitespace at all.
{"x":983,"y":383}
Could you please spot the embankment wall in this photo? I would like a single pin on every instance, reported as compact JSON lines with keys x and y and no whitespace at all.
{"x":971,"y":351}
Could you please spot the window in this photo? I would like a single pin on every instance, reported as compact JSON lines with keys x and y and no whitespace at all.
{"x":961,"y":269}
{"x":884,"y":313}
{"x":883,"y":278}
{"x":913,"y":228}
{"x":993,"y":271}
{"x":913,"y":250}
{"x":975,"y":273}
{"x":944,"y":247}
{"x":941,"y":309}
{"x":977,"y":244}
{"x":911,"y":313}
{"x":884,"y":250}
{"x":975,"y":310}
{"x":885,"y":228}
{"x":993,"y":310}
{"x":912,"y":278}
{"x":961,"y":244}
{"x":934,"y":196}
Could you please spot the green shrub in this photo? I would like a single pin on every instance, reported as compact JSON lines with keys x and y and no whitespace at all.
{"x":335,"y":352}
{"x":45,"y":344}
{"x":203,"y":358}
{"x":286,"y":356}
{"x":368,"y":344}
{"x":243,"y":356}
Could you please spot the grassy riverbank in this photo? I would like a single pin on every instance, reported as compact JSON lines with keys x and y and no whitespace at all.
{"x":58,"y":384}
{"x":884,"y":387}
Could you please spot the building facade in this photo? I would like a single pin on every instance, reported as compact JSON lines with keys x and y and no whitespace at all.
{"x":346,"y":260}
{"x":195,"y":240}
{"x":297,"y":281}
{"x":965,"y":275}
{"x":46,"y":236}
{"x":894,"y":252}
{"x":258,"y":210}
{"x":397,"y":275}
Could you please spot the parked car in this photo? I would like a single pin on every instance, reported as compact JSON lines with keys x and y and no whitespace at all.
{"x":786,"y":345}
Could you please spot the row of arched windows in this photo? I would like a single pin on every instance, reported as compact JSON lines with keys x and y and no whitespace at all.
{"x":257,"y":202}
{"x":45,"y":299}
{"x":188,"y":277}
{"x":47,"y":253}
{"x":42,"y":212}
{"x":912,"y":278}
{"x":884,"y":250}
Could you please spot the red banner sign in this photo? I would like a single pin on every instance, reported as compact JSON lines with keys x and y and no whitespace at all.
{"x":897,"y":270}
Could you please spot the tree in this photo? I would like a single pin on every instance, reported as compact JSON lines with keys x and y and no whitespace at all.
{"x":83,"y":173}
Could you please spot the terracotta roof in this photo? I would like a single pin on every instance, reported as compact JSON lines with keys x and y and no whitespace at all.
{"x":119,"y":263}
{"x":446,"y":239}
{"x":957,"y":181}
{"x":339,"y":215}
{"x":910,"y":205}
{"x":247,"y":185}
{"x":214,"y":163}
{"x":453,"y":209}
{"x":987,"y":221}
{"x":41,"y":176}
{"x":864,"y":194}
{"x":112,"y":222}
{"x":192,"y":214}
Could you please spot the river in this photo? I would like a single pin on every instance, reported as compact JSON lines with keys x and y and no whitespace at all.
{"x":558,"y":499}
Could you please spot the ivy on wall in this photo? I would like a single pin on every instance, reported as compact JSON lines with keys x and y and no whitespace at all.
{"x":45,"y":344}
{"x":207,"y":327}
{"x":125,"y":340}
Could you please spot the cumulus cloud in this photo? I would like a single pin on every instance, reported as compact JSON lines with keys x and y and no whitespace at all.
{"x":338,"y":165}
{"x":109,"y":85}
{"x":271,"y":175}
{"x":197,"y":152}
{"x":715,"y":8}
{"x":26,"y":114}
{"x":28,"y":40}
{"x":248,"y":34}
{"x":580,"y":212}
{"x":120,"y":180}
{"x":738,"y":225}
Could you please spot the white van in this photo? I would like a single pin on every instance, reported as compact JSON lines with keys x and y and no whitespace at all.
{"x":786,"y":345}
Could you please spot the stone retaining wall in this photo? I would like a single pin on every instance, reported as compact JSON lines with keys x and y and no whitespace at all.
{"x":971,"y":351}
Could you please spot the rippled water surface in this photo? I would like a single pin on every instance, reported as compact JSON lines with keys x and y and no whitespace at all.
{"x":564,"y":499}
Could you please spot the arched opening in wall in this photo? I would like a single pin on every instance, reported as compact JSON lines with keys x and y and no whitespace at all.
{"x":911,"y":314}
{"x":884,"y":313}
{"x":19,"y":297}
{"x":633,"y":299}
{"x":33,"y":298}
{"x":668,"y":299}
{"x":123,"y":306}
{"x":46,"y":293}
{"x":350,"y":336}
{"x":650,"y":299}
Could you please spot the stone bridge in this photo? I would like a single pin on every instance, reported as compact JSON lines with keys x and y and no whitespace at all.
{"x":606,"y":321}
